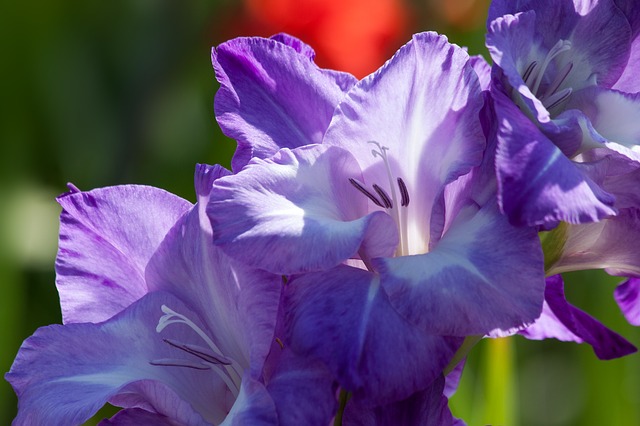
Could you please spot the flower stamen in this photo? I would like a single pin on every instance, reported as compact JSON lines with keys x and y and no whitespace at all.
{"x":211,"y":358}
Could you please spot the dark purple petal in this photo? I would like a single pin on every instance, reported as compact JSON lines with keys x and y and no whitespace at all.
{"x":465,"y":285}
{"x":271,"y":96}
{"x":537,"y":183}
{"x":627,"y":295}
{"x":606,"y":343}
{"x":303,"y":390}
{"x":238,"y":303}
{"x":344,"y":318}
{"x":107,"y":236}
{"x":298,"y":212}
{"x":137,"y":417}
{"x":428,"y":407}
{"x":64,"y":374}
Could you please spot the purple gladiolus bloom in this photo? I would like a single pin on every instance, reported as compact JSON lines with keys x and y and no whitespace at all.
{"x":567,"y":113}
{"x":158,"y":321}
{"x":392,"y":220}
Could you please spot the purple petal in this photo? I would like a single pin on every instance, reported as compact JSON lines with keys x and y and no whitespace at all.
{"x":343,"y":317}
{"x":428,"y":407}
{"x":106,"y":239}
{"x":137,"y":417}
{"x":537,"y":183}
{"x":238,"y":303}
{"x":303,"y":390}
{"x":606,"y":343}
{"x":482,"y":69}
{"x":271,"y":96}
{"x":254,"y":406}
{"x":610,"y":244}
{"x":297,"y":212}
{"x":429,"y":143}
{"x":614,"y":115}
{"x":465,"y":285}
{"x":627,"y":295}
{"x":599,"y":33}
{"x":64,"y":374}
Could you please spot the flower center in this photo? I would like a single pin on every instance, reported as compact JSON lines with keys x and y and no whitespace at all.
{"x":389,"y":203}
{"x":203,"y":358}
{"x":533,"y":75}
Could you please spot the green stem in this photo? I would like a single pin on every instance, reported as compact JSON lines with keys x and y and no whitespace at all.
{"x":343,"y":398}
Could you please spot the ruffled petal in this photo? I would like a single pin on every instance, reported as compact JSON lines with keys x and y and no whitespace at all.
{"x":627,"y":295}
{"x":238,"y":303}
{"x":297,"y":212}
{"x":430,"y":143}
{"x":64,"y":374}
{"x":303,"y":390}
{"x":537,"y":183}
{"x":610,"y":244}
{"x":273,"y":96}
{"x":344,"y":318}
{"x":465,"y":285}
{"x":565,"y":318}
{"x":107,"y":236}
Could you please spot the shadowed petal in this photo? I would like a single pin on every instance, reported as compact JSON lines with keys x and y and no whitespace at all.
{"x":297,"y":212}
{"x":610,"y":244}
{"x":627,"y":295}
{"x":303,"y":390}
{"x":271,"y":96}
{"x":343,"y":317}
{"x":107,"y":236}
{"x":465,"y":285}
{"x":254,"y":406}
{"x":428,"y":407}
{"x":137,"y":417}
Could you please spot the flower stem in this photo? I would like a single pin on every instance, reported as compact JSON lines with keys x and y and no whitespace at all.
{"x":343,"y":398}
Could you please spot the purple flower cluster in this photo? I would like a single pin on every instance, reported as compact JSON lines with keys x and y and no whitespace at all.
{"x":370,"y":232}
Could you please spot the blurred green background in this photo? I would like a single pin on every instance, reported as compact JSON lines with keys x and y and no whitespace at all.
{"x":106,"y":93}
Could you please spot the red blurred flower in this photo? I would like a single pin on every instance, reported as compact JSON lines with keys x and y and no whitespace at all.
{"x":350,"y":35}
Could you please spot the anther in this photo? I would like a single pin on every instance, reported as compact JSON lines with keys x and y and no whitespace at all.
{"x":169,"y":362}
{"x":383,"y":195}
{"x":529,"y":71}
{"x":362,"y":189}
{"x":404,"y":193}
{"x":200,"y":352}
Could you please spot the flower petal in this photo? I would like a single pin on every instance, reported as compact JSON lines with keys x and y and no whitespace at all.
{"x":303,"y":390}
{"x":238,"y":303}
{"x":627,"y":295}
{"x":610,"y":244}
{"x":106,"y":239}
{"x":606,"y":343}
{"x":136,"y":417}
{"x":465,"y":285}
{"x":430,"y":143}
{"x":254,"y":406}
{"x":271,"y":96}
{"x":428,"y":407}
{"x":343,"y":317}
{"x":64,"y":374}
{"x":537,"y":183}
{"x":297,"y":212}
